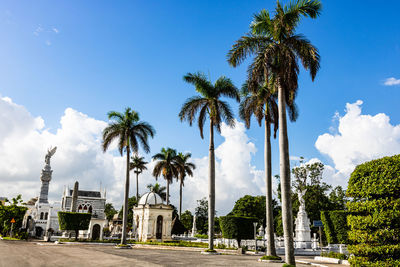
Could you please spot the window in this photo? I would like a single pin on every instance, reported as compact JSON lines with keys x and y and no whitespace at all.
{"x":41,"y":215}
{"x":46,"y":215}
{"x":85,"y":208}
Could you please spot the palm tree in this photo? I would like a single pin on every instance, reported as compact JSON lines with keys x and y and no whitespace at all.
{"x":130,"y":132}
{"x":185,"y":168}
{"x":138,"y":165}
{"x":167,"y":164}
{"x":278,"y":49}
{"x":208,"y":104}
{"x":158,"y":189}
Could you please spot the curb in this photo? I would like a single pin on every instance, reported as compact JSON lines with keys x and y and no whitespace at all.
{"x":310,"y":263}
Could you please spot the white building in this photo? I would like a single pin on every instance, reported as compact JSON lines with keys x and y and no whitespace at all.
{"x":153,"y":218}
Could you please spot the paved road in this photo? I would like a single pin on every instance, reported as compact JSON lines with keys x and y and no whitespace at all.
{"x":20,"y":253}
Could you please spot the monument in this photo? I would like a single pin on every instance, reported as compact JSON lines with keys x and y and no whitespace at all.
{"x":194,"y":229}
{"x":302,"y":230}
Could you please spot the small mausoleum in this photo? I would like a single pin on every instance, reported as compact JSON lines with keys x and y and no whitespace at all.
{"x":152,"y":218}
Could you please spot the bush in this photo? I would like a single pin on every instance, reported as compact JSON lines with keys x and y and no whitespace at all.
{"x":374,"y":217}
{"x":74,"y":221}
{"x":334,"y":255}
{"x":270,"y":258}
{"x":237,"y":227}
{"x":7,"y":213}
{"x":288,"y":265}
{"x":335,"y":226}
{"x":201,"y":236}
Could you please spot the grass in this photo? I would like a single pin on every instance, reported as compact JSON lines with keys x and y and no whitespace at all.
{"x":288,"y":265}
{"x":276,"y":258}
{"x":210,"y":250}
{"x":10,"y":238}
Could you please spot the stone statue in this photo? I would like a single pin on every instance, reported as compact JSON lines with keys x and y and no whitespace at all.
{"x":50,"y":153}
{"x":301,"y":194}
{"x":194,"y":228}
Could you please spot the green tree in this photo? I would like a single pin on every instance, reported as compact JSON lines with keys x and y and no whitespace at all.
{"x":138,"y":164}
{"x":338,"y":198}
{"x":130,"y":132}
{"x":158,"y":189}
{"x":74,"y":221}
{"x":110,"y":211}
{"x":186,"y":168}
{"x":13,"y":210}
{"x":132,"y":202}
{"x":374,"y":220}
{"x":201,"y":212}
{"x":208,"y":104}
{"x":167,"y":164}
{"x":187,"y":219}
{"x":278,"y":49}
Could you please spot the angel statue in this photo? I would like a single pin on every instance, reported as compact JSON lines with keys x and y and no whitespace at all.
{"x":301,"y":194}
{"x":50,"y":153}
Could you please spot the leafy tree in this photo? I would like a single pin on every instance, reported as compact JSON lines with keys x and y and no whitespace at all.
{"x":132,"y":202}
{"x":158,"y":189}
{"x":201,"y":213}
{"x":110,"y":211}
{"x":374,"y":220}
{"x":278,"y":49}
{"x":187,"y":219}
{"x":130,"y":132}
{"x":13,"y":210}
{"x":138,"y":165}
{"x":186,"y":168}
{"x":168,"y":165}
{"x":74,"y":221}
{"x":338,"y":198}
{"x":208,"y":104}
{"x":237,"y":227}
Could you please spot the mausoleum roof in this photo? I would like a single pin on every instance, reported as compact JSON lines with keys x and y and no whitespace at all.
{"x":150,"y":198}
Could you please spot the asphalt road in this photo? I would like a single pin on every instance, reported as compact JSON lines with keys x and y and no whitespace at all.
{"x":20,"y":253}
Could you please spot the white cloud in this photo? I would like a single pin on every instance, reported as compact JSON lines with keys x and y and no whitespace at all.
{"x":48,"y":42}
{"x":24,"y":141}
{"x":38,"y":30}
{"x":55,"y":30}
{"x":359,"y":138}
{"x":391,"y":81}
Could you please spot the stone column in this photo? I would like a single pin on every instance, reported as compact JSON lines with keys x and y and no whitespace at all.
{"x":45,"y":177}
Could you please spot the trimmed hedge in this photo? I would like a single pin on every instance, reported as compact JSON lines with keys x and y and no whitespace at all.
{"x":74,"y":221}
{"x":375,"y":213}
{"x":335,"y":226}
{"x":237,"y":227}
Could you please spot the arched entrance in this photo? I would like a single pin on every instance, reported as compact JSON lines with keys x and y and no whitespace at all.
{"x":96,"y":232}
{"x":39,"y":231}
{"x":159,"y":227}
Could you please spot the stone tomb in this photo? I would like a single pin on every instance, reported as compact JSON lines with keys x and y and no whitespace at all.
{"x":153,"y":218}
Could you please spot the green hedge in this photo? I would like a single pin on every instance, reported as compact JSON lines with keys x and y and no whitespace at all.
{"x":74,"y":221}
{"x":374,"y":217}
{"x":237,"y":227}
{"x":335,"y":226}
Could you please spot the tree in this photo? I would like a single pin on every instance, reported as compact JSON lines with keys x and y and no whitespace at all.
{"x":186,"y":168}
{"x":109,"y":211}
{"x":74,"y":221}
{"x":13,"y":210}
{"x":132,"y":202}
{"x":130,"y":132}
{"x":201,"y":213}
{"x":138,"y":165}
{"x":168,"y":165}
{"x":261,"y":102}
{"x":374,"y":220}
{"x":158,"y":189}
{"x":208,"y":104}
{"x":278,"y":49}
{"x":338,"y":198}
{"x":187,"y":219}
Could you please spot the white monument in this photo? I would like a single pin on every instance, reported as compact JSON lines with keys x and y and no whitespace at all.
{"x":153,"y":218}
{"x":302,"y":230}
{"x":194,"y":228}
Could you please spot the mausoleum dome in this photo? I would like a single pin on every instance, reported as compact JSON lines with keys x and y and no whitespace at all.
{"x":150,"y":198}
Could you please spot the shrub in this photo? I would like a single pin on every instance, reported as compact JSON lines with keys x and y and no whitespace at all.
{"x":74,"y":221}
{"x":9,"y":212}
{"x":334,"y":255}
{"x":374,"y":217}
{"x":288,"y":265}
{"x":237,"y":227}
{"x":335,"y":226}
{"x":201,"y":236}
{"x":269,"y":258}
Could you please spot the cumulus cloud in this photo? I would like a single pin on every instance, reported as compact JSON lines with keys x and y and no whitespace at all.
{"x":24,"y":141}
{"x":391,"y":81}
{"x":359,"y":138}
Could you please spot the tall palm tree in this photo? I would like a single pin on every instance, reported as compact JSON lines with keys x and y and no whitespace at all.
{"x":168,"y":165}
{"x":278,"y":49}
{"x":158,"y":189}
{"x":186,"y":168}
{"x":208,"y":104}
{"x":130,"y":132}
{"x":138,"y":165}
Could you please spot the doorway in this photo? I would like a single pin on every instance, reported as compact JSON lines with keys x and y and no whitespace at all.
{"x":96,"y":232}
{"x":159,"y":227}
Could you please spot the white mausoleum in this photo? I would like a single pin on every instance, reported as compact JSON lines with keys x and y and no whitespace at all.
{"x":152,"y":218}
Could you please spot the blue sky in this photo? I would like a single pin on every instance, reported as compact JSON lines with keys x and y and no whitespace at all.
{"x":97,"y":56}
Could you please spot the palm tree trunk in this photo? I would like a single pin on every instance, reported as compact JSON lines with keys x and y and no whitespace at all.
{"x":268,"y":184}
{"x":125,"y":210}
{"x":180,"y":199}
{"x":167,"y":192}
{"x":287,"y":213}
{"x":137,"y":186}
{"x":211,"y":190}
